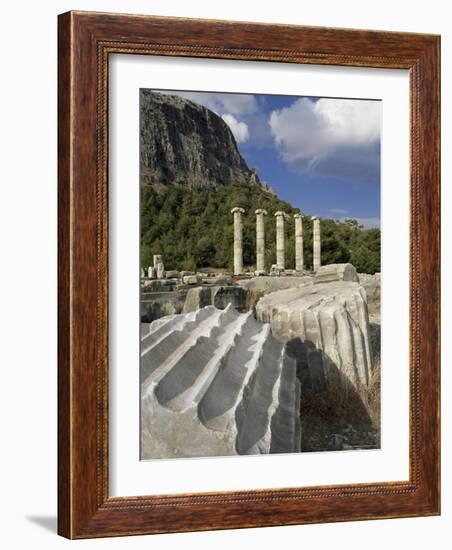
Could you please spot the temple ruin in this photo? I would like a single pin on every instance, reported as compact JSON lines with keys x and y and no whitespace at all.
{"x":238,"y":245}
{"x":280,"y":265}
{"x":260,"y":241}
{"x":317,"y":262}
{"x":299,"y":258}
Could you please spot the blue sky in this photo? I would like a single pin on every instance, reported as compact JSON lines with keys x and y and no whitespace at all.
{"x":320,"y":154}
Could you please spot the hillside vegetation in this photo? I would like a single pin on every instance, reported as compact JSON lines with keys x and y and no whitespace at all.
{"x":193,"y":228}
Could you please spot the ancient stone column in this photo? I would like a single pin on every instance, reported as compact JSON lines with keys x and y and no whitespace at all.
{"x":280,"y":256}
{"x":159,"y":266}
{"x":299,"y":260}
{"x":316,"y":243}
{"x":260,"y":240}
{"x":238,"y":247}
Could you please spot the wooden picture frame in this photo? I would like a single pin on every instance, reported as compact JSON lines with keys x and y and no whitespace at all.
{"x":86,"y":40}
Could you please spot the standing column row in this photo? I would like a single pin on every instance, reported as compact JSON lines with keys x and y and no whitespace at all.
{"x":280,"y":250}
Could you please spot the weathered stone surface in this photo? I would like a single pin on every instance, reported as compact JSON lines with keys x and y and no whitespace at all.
{"x":260,"y":286}
{"x":219,"y":296}
{"x":190,"y":280}
{"x":157,"y":302}
{"x":234,"y":295}
{"x":152,"y":272}
{"x":158,"y":285}
{"x":220,"y":280}
{"x":327,"y":326}
{"x":260,"y":240}
{"x":160,"y":304}
{"x":186,"y":273}
{"x":372,"y":284}
{"x":183,"y":143}
{"x":280,"y":248}
{"x":215,"y":383}
{"x":144,"y":328}
{"x":238,"y":245}
{"x":172,"y":274}
{"x":197,"y":298}
{"x":299,"y":253}
{"x":159,"y":266}
{"x":335,"y":272}
{"x":316,"y":243}
{"x":267,"y":284}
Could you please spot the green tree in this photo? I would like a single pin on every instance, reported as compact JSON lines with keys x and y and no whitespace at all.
{"x":193,"y":228}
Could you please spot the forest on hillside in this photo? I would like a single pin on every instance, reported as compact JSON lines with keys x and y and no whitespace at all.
{"x":193,"y":229}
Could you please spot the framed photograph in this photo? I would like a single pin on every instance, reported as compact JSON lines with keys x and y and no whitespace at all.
{"x":248,"y":275}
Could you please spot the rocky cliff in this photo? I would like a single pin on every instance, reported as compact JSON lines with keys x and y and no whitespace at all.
{"x":183,"y":143}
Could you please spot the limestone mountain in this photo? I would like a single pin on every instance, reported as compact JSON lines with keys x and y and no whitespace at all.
{"x":183,"y":143}
{"x":186,"y":150}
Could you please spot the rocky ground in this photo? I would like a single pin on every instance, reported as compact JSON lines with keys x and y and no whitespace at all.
{"x":343,"y":414}
{"x":331,"y":423}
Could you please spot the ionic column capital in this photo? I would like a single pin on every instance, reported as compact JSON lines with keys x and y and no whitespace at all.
{"x":281,"y":214}
{"x":237,"y":209}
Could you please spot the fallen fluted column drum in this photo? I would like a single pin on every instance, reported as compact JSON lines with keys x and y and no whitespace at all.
{"x":329,"y":323}
{"x":216,"y":383}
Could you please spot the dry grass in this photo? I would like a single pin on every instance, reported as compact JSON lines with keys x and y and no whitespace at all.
{"x":374,"y":397}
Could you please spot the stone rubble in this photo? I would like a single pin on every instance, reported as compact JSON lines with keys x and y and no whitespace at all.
{"x":190,"y":280}
{"x":159,"y":266}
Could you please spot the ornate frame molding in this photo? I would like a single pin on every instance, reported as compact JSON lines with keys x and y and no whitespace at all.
{"x":85,"y":42}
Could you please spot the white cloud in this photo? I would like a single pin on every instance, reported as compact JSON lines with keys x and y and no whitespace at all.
{"x":368,"y":223}
{"x":238,"y":128}
{"x":338,"y":211}
{"x":221,"y":103}
{"x":237,"y":104}
{"x":335,"y":137}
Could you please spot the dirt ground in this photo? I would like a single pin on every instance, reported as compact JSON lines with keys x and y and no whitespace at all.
{"x":332,"y":420}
